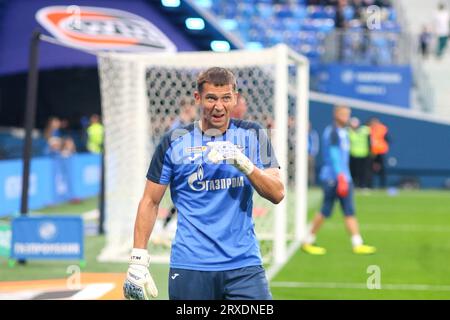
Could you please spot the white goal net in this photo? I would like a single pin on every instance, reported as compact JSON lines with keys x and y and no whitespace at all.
{"x":141,"y":96}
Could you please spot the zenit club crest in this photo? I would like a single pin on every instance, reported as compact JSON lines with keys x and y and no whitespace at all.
{"x":94,"y":28}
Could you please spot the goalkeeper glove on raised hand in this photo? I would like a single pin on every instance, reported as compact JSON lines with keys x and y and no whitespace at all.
{"x":225,"y":150}
{"x":139,"y":284}
{"x":342,"y":186}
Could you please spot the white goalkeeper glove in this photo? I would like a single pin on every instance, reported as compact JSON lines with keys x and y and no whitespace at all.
{"x":139,"y":284}
{"x":225,"y":150}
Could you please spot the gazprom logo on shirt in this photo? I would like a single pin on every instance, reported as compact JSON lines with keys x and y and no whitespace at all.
{"x":197,"y":183}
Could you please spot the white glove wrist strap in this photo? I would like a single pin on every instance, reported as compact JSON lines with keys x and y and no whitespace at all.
{"x":244,"y":164}
{"x":140,"y":257}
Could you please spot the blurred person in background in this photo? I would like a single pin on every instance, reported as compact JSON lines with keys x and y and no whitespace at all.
{"x":240,"y":110}
{"x":68,"y":147}
{"x":53,"y":136}
{"x":84,"y":124}
{"x":337,"y":184}
{"x":379,"y":142}
{"x":187,"y":113}
{"x":64,"y":127}
{"x":313,"y":150}
{"x":95,"y":135}
{"x":441,"y":29}
{"x":359,"y":152}
{"x":53,"y":128}
{"x":341,"y":27}
{"x":425,"y":39}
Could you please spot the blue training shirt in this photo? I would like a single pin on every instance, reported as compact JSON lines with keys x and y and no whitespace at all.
{"x":337,"y":139}
{"x":215,"y":228}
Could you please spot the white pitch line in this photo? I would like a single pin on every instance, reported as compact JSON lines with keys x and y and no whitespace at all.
{"x":396,"y":228}
{"x":313,"y":200}
{"x":342,"y":285}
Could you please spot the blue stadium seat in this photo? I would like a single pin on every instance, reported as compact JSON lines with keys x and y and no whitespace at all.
{"x":283,"y":11}
{"x":265,"y":10}
{"x":349,"y":13}
{"x":299,"y":12}
{"x":305,"y":28}
{"x":247,"y":10}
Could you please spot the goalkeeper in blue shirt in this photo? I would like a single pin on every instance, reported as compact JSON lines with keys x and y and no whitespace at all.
{"x":336,"y":184}
{"x":212,"y":167}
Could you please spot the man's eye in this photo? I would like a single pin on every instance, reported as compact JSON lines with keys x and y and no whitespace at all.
{"x":226,"y":99}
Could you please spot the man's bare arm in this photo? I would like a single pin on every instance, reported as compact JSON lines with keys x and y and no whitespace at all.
{"x":147,"y":213}
{"x":268,"y":184}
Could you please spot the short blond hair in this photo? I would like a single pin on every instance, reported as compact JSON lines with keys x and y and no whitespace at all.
{"x":339,"y":107}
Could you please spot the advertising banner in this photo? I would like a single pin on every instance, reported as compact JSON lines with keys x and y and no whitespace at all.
{"x":40,"y":185}
{"x":382,"y":84}
{"x":54,"y":237}
{"x":5,"y":240}
{"x":53,"y":180}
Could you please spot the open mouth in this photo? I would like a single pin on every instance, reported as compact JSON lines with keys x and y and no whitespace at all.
{"x":218,"y":117}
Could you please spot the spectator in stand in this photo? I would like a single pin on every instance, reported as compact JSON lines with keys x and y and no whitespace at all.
{"x":425,"y":39}
{"x":53,"y":128}
{"x":340,"y":24}
{"x":64,"y":127}
{"x":68,"y":147}
{"x":84,"y":124}
{"x":441,"y":29}
{"x":95,"y":135}
{"x":358,"y":6}
{"x":240,"y":110}
{"x":187,"y":113}
{"x":52,"y":134}
{"x":368,"y":3}
{"x":383,"y":3}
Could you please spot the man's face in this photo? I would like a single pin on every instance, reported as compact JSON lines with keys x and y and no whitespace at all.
{"x":342,"y":115}
{"x":217,"y":103}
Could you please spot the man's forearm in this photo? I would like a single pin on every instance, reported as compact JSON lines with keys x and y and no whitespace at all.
{"x":268,"y":186}
{"x":145,"y":220}
{"x":336,"y":159}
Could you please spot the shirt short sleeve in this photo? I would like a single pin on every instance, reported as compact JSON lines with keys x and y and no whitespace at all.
{"x":161,"y":167}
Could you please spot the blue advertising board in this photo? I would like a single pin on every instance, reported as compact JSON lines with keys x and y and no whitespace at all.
{"x":54,"y":237}
{"x":61,"y":183}
{"x":382,"y":84}
{"x":53,"y":180}
{"x":40,"y":186}
{"x":84,"y":175}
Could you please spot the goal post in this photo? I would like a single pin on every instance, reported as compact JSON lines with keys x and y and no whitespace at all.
{"x":141,"y":94}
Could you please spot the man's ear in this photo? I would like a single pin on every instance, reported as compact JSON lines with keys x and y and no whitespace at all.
{"x":197,"y":97}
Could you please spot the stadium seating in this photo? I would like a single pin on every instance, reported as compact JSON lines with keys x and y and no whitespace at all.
{"x":12,"y":140}
{"x":306,"y":28}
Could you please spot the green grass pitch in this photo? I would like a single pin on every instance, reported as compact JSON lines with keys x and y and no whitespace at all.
{"x":411,"y":231}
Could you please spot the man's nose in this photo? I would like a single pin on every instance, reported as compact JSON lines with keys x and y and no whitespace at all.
{"x":219,"y":106}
